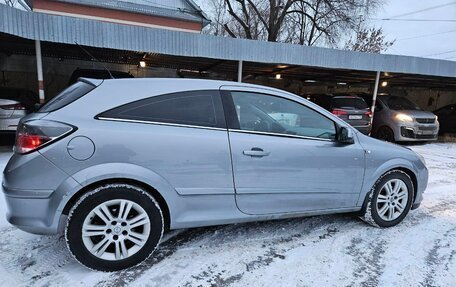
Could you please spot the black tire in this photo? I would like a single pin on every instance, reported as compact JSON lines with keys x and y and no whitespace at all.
{"x":371,"y":213}
{"x":89,"y":201}
{"x":385,"y":133}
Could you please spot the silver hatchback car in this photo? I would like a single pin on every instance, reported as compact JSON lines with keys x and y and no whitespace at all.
{"x":398,"y":119}
{"x":115,"y":163}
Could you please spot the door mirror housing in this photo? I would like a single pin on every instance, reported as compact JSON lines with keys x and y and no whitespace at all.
{"x":36,"y":107}
{"x":345,"y":135}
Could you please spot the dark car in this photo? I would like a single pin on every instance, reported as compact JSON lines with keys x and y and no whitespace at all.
{"x":447,"y":119}
{"x":97,"y":74}
{"x":353,"y":110}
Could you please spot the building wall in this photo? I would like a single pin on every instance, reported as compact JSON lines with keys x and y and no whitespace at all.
{"x":114,"y":16}
{"x":19,"y":71}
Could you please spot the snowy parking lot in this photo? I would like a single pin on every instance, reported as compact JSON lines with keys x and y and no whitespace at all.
{"x":337,"y":250}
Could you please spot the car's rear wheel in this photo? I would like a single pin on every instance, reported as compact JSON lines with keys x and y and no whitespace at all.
{"x":114,"y":227}
{"x":385,"y":133}
{"x":390,"y":199}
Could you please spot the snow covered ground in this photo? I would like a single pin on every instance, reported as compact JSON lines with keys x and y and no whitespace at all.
{"x":336,"y":250}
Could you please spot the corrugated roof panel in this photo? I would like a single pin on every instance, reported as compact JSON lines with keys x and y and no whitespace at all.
{"x":61,"y":29}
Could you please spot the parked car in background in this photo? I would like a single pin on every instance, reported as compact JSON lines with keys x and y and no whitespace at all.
{"x":119,"y":161}
{"x":447,"y":119}
{"x":97,"y":74}
{"x":398,"y":119}
{"x":15,"y":104}
{"x":353,"y":110}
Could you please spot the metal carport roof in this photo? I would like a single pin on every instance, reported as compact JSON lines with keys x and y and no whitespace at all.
{"x":69,"y":30}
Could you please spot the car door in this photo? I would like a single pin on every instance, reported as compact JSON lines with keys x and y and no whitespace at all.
{"x":285,"y":157}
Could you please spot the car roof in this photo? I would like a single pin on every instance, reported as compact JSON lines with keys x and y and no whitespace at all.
{"x":189,"y":83}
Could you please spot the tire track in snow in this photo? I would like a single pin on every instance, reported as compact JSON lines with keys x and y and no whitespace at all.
{"x":368,"y":260}
{"x":435,"y":259}
{"x":274,"y":250}
{"x":165,"y":250}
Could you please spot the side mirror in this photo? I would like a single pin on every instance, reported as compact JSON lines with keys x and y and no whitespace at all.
{"x":36,"y":107}
{"x":345,"y":135}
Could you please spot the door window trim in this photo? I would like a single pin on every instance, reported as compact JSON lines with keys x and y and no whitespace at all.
{"x":233,"y":124}
{"x":280,"y":135}
{"x":158,"y":123}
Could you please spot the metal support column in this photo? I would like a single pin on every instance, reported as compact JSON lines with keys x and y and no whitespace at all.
{"x":39,"y":68}
{"x":374,"y":96}
{"x":240,"y":72}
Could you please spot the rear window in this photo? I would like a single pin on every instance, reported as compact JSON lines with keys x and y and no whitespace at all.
{"x":67,"y":96}
{"x":348,"y":103}
{"x":198,"y":108}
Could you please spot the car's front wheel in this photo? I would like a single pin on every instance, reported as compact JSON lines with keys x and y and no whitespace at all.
{"x":113,"y":227}
{"x":385,"y":134}
{"x":390,"y":199}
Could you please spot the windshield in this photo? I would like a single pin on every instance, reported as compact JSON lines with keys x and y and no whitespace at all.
{"x":401,"y":103}
{"x":348,"y":103}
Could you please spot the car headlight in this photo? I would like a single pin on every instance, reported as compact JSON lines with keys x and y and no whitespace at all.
{"x":404,"y":118}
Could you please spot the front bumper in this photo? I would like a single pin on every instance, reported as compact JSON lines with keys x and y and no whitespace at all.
{"x":422,"y":178}
{"x":417,"y":132}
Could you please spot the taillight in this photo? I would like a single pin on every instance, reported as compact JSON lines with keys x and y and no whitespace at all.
{"x":13,"y":107}
{"x":35,"y":134}
{"x":369,"y":114}
{"x":338,"y":112}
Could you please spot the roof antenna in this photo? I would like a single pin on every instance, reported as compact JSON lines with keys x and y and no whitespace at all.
{"x":93,"y":58}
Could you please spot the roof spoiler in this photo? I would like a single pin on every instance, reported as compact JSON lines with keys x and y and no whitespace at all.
{"x":93,"y":82}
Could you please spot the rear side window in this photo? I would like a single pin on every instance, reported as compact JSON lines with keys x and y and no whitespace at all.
{"x":196,"y":108}
{"x":67,"y":96}
{"x":348,"y":103}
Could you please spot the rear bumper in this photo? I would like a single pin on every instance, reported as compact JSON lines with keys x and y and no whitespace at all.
{"x":9,"y":124}
{"x":35,"y":190}
{"x":31,"y":210}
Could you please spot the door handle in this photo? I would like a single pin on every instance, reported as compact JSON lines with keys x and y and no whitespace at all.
{"x":256,"y":152}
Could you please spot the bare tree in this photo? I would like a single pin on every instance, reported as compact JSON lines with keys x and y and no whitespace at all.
{"x":304,"y":22}
{"x":217,"y":10}
{"x":370,"y":40}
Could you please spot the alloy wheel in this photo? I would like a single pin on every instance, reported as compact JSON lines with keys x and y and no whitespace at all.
{"x":116,"y":229}
{"x":392,"y":199}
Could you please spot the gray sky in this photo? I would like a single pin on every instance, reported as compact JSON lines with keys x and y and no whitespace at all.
{"x":429,"y":45}
{"x":422,"y":44}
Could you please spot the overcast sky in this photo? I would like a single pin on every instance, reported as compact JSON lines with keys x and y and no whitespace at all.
{"x":429,"y":39}
{"x":420,"y":38}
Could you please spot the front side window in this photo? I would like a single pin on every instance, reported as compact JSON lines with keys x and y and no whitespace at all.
{"x":196,"y":108}
{"x":271,"y":114}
